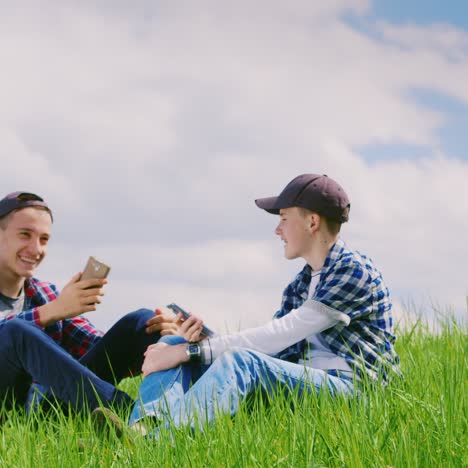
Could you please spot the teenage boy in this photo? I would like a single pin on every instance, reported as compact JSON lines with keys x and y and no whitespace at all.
{"x":333,"y":329}
{"x":44,"y":337}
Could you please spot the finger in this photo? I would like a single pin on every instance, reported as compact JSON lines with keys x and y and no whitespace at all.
{"x":91,"y":292}
{"x":87,"y":308}
{"x":169,"y":315}
{"x":193,"y":329}
{"x":172,"y":318}
{"x":190,"y":327}
{"x":169,"y":318}
{"x":161,"y":317}
{"x":189,"y":322}
{"x":153,"y":328}
{"x":168,"y":326}
{"x":160,"y":327}
{"x":90,"y":300}
{"x":93,"y":283}
{"x":196,"y":334}
{"x":154,"y":320}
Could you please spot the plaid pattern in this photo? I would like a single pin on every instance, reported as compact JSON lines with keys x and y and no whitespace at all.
{"x":350,"y":283}
{"x":76,"y":335}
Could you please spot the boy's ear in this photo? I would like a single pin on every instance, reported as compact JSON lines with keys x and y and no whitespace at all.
{"x":313,"y":222}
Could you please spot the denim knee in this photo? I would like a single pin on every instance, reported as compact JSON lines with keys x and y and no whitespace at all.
{"x":138,"y":317}
{"x":15,"y":328}
{"x":172,"y":340}
{"x":18,"y":334}
{"x":237,"y":354}
{"x":240,"y":357}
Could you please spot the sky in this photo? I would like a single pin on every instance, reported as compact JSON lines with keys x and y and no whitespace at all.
{"x":151,"y":126}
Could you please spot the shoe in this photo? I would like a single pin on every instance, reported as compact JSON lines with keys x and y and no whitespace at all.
{"x":106,"y":422}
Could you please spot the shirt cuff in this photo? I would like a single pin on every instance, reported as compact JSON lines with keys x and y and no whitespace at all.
{"x":206,"y":352}
{"x":36,"y":317}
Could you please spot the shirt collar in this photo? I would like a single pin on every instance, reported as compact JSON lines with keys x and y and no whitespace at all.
{"x":305,"y":276}
{"x":30,"y":287}
{"x":334,"y":253}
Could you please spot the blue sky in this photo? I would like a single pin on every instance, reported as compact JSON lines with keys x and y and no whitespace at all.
{"x":452,"y":132}
{"x":151,"y":135}
{"x":422,"y":12}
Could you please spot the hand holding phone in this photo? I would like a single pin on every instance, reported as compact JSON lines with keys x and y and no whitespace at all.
{"x":177,"y":309}
{"x":75,"y":300}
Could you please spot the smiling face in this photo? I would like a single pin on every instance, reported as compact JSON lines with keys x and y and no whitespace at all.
{"x":294,"y":230}
{"x":23,"y":244}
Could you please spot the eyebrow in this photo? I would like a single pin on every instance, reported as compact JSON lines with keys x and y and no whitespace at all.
{"x":32,"y":230}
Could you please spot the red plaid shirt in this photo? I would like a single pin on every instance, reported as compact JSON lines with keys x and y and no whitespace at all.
{"x":76,"y":335}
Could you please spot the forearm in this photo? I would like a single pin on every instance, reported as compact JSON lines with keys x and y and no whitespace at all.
{"x":313,"y":317}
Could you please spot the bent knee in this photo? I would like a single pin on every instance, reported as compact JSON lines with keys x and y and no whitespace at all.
{"x":140,"y":313}
{"x":138,"y":318}
{"x":172,"y":340}
{"x":17,"y":325}
{"x":17,"y":329}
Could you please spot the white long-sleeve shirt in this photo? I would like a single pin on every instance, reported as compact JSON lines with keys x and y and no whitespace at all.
{"x":311,"y":318}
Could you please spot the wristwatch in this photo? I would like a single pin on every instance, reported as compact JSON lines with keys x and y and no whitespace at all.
{"x":194,"y":352}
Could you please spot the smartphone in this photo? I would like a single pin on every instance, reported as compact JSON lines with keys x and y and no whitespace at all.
{"x":95,"y":269}
{"x":176,"y":309}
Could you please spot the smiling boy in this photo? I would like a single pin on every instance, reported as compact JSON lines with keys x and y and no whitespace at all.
{"x":43,"y":335}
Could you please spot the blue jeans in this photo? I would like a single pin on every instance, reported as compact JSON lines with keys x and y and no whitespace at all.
{"x":28,"y":354}
{"x":191,"y":394}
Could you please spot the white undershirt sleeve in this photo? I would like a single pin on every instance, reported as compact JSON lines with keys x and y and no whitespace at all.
{"x":312,"y":317}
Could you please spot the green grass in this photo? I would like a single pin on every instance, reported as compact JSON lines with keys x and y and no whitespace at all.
{"x":420,"y":421}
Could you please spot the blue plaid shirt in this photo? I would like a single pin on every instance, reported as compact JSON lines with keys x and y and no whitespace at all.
{"x":350,"y":283}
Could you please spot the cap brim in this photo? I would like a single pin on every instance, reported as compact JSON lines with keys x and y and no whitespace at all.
{"x":268,"y":204}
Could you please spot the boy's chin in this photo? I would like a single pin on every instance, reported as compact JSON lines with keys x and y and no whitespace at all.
{"x":26,"y":272}
{"x":290,"y":256}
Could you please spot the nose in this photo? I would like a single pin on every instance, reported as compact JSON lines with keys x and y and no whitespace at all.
{"x":35,"y":247}
{"x":278,"y":230}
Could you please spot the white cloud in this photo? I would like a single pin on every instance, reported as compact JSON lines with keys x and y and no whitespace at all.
{"x":150,"y":128}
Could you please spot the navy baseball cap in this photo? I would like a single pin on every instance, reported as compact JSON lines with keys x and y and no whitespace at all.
{"x":314,"y":192}
{"x":18,"y":200}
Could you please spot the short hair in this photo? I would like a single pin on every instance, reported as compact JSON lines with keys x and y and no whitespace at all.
{"x":333,"y":226}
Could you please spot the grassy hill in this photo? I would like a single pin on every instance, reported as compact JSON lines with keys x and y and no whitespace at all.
{"x":420,"y":421}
